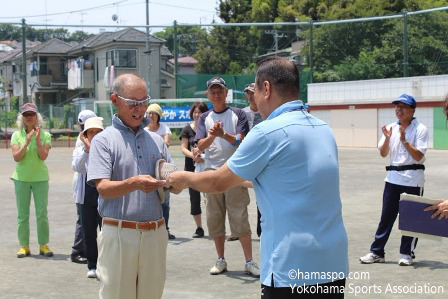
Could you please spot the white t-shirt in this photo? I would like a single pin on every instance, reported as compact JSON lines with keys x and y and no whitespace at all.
{"x":416,"y":135}
{"x":162,"y":131}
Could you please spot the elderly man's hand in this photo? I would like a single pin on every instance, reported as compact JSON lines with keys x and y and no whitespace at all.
{"x":177,"y":180}
{"x":147,"y":183}
{"x":442,"y":210}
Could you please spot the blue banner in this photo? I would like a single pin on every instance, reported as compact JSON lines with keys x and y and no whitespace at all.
{"x":177,"y":117}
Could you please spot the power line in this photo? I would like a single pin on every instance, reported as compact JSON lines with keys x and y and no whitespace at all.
{"x":68,"y":12}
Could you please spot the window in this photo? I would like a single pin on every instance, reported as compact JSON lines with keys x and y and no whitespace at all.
{"x":43,"y":68}
{"x":122,"y":58}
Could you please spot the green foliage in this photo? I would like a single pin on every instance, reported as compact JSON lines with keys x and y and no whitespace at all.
{"x":189,"y":39}
{"x":12,"y":32}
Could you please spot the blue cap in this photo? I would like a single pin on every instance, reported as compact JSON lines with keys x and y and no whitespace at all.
{"x":406,"y":99}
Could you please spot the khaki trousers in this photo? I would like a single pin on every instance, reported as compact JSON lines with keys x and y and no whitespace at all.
{"x":131,"y":262}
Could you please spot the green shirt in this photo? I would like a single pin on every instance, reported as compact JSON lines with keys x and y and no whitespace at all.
{"x":31,"y":168}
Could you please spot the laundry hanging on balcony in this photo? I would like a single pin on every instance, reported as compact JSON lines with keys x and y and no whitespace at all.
{"x":75,"y":74}
{"x":109,"y":77}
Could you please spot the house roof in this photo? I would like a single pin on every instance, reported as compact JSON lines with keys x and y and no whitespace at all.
{"x":185,"y":61}
{"x":126,"y":35}
{"x":164,"y":51}
{"x":52,"y":46}
{"x":10,"y":55}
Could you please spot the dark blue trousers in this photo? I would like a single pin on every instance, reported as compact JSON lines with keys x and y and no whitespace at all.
{"x":78,"y":243}
{"x":391,"y":199}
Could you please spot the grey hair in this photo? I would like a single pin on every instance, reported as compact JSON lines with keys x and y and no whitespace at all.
{"x":21,"y":124}
{"x":125,"y":79}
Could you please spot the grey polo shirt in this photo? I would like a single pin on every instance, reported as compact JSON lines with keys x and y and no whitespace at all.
{"x":117,"y":153}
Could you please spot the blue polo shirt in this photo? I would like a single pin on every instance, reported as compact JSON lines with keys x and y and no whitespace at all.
{"x":292,"y":160}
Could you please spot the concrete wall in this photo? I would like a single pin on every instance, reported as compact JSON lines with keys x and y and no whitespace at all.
{"x":362,"y":127}
{"x":424,"y":89}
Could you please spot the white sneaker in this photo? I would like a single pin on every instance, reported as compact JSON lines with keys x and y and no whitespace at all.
{"x":251,"y":268}
{"x":219,"y":267}
{"x":371,"y":258}
{"x":406,"y":260}
{"x":91,"y":273}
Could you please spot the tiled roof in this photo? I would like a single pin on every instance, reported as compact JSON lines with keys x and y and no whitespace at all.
{"x":125,"y":35}
{"x":164,"y":51}
{"x":52,"y":46}
{"x":185,"y":60}
{"x":11,"y":55}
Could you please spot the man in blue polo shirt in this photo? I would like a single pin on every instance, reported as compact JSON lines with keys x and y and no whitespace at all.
{"x":292,"y":160}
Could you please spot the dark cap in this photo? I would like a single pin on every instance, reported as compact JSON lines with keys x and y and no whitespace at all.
{"x":406,"y":99}
{"x":216,"y":81}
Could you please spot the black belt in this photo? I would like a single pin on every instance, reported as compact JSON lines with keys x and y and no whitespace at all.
{"x":405,"y":167}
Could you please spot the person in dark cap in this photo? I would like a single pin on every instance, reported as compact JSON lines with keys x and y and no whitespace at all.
{"x":30,"y":147}
{"x":219,"y":133}
{"x":406,"y":141}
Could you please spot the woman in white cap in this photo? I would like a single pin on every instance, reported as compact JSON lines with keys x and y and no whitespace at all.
{"x":87,"y":195}
{"x":154,"y":114}
{"x":30,"y":147}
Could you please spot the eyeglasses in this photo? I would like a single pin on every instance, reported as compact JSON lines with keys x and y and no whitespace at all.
{"x":216,"y":93}
{"x":134,"y":103}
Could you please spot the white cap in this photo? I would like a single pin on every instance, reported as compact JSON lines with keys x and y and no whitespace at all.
{"x":94,"y":123}
{"x":85,"y":115}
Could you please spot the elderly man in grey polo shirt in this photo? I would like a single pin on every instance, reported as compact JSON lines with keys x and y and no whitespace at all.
{"x":133,"y":241}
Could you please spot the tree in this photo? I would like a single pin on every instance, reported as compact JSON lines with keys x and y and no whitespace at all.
{"x":189,"y":39}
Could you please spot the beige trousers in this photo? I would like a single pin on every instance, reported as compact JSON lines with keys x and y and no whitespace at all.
{"x":131,"y":262}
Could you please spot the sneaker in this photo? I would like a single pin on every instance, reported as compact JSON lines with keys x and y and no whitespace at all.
{"x":371,"y":258}
{"x":199,"y":233}
{"x":219,"y":267}
{"x":406,"y":260}
{"x":79,"y":259}
{"x":163,"y":170}
{"x":232,"y":238}
{"x":170,"y":236}
{"x":24,"y":251}
{"x":251,"y":268}
{"x":91,"y":273}
{"x":45,"y":250}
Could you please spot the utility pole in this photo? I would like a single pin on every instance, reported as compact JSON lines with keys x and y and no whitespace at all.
{"x":148,"y":49}
{"x":176,"y":57}
{"x":405,"y":45}
{"x":311,"y":51}
{"x":276,"y":37}
{"x":24,"y":89}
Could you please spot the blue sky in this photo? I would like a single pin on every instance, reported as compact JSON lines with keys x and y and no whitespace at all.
{"x":99,"y":12}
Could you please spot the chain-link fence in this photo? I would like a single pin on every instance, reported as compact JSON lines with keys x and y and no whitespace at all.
{"x":176,"y":68}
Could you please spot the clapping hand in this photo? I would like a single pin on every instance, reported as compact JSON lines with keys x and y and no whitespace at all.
{"x":387,"y":133}
{"x":37,"y":134}
{"x":217,"y":130}
{"x":402,"y":131}
{"x":29,"y":136}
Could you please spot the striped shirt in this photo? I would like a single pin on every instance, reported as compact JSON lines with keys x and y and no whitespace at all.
{"x":117,"y":153}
